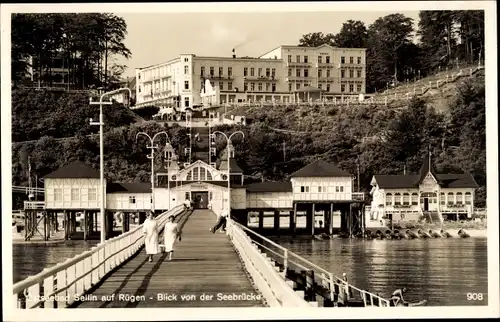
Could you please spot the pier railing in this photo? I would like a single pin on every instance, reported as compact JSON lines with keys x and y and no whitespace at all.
{"x":30,"y":205}
{"x":332,"y":286}
{"x":61,"y":285}
{"x":265,"y":275}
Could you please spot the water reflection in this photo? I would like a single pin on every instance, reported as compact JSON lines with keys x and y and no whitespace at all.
{"x":442,"y":271}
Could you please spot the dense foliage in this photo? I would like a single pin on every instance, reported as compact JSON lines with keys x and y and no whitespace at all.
{"x":392,"y":51}
{"x":87,"y":43}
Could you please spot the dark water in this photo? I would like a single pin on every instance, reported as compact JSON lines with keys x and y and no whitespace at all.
{"x":31,"y":259}
{"x":442,"y":271}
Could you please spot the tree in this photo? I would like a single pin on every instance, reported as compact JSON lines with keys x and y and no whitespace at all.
{"x":352,"y":35}
{"x":315,"y":39}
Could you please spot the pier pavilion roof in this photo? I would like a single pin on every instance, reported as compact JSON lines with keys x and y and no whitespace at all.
{"x":75,"y":170}
{"x":269,"y":187}
{"x":320,"y":168}
{"x":394,"y":181}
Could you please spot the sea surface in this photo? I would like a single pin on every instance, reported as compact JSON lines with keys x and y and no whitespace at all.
{"x":442,"y":271}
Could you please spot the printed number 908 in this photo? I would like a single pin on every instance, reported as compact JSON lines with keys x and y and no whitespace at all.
{"x":474,"y":296}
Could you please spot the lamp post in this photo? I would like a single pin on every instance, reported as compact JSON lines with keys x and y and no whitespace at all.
{"x":229,"y":145}
{"x":101,"y":146}
{"x":153,"y":147}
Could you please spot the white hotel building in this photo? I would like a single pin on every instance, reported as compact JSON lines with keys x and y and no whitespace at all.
{"x":279,"y":74}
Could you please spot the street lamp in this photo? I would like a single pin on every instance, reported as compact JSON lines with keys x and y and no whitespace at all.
{"x":153,"y":147}
{"x":101,"y":145}
{"x":229,"y":146}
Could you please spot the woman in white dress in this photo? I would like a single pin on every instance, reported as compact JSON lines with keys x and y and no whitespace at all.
{"x":150,"y":229}
{"x":170,"y":234}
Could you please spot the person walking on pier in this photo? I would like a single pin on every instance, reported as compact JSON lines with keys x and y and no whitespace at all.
{"x":170,"y":234}
{"x":150,"y":229}
{"x":221,"y":222}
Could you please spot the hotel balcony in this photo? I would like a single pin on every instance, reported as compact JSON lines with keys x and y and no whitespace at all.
{"x":353,"y":65}
{"x":325,"y":65}
{"x":298,"y":64}
{"x":217,"y":77}
{"x":329,"y":79}
{"x":155,"y":78}
{"x":261,"y":78}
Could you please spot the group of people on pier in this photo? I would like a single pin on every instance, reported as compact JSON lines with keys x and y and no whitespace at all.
{"x":171,"y":232}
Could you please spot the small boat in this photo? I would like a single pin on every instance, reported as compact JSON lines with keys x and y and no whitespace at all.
{"x":462,"y":233}
{"x":434,"y":234}
{"x":445,"y":234}
{"x":423,"y":234}
{"x":411,"y":234}
{"x":421,"y":303}
{"x":380,"y":234}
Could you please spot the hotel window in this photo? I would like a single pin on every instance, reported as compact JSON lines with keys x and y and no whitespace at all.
{"x":252,"y":87}
{"x":327,"y":73}
{"x":359,"y":60}
{"x":322,"y":189}
{"x":209,"y":176}
{"x":230,"y":71}
{"x":221,"y":71}
{"x":267,"y":87}
{"x":139,"y":88}
{"x":196,"y":174}
{"x":189,"y":176}
{"x":289,"y":58}
{"x":186,"y":84}
{"x":260,"y":72}
{"x":342,"y":88}
{"x":58,"y":194}
{"x":245,"y":71}
{"x":450,"y":199}
{"x":131,"y":199}
{"x":327,"y":59}
{"x":328,"y":87}
{"x":229,"y":86}
{"x":306,"y":72}
{"x":245,"y":87}
{"x":388,"y":199}
{"x":212,"y":71}
{"x":442,"y":198}
{"x":351,"y":60}
{"x":320,"y":86}
{"x":203,"y":174}
{"x":468,"y":198}
{"x":252,"y":71}
{"x":397,"y":198}
{"x":273,"y":72}
{"x":186,"y":60}
{"x":297,"y":86}
{"x":297,"y":72}
{"x":289,"y":72}
{"x":186,"y":101}
{"x":320,"y":73}
{"x":92,"y":194}
{"x":187,"y":195}
{"x":298,"y":58}
{"x":221,"y":86}
{"x":358,"y":86}
{"x":306,"y":59}
{"x":358,"y":73}
{"x":342,"y":60}
{"x":459,"y":198}
{"x":75,"y":194}
{"x":406,"y":197}
{"x":320,"y":59}
{"x":260,"y":87}
{"x":186,"y":70}
{"x":351,"y":73}
{"x":268,"y":72}
{"x":289,"y":87}
{"x":342,"y":73}
{"x":351,"y":88}
{"x":414,"y":198}
{"x":202,"y":72}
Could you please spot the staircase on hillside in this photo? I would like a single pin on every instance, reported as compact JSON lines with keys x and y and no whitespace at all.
{"x":433,"y":216}
{"x":200,"y":147}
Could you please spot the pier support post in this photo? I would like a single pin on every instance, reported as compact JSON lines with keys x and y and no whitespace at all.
{"x":313,"y":218}
{"x":142,"y":217}
{"x":293,"y":222}
{"x":66,"y":224}
{"x":261,"y":219}
{"x":330,"y":220}
{"x":309,"y":219}
{"x":124,"y":222}
{"x":85,"y":225}
{"x":277,"y":221}
{"x":45,"y":224}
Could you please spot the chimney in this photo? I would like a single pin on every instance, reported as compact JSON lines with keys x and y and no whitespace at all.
{"x":234,"y":55}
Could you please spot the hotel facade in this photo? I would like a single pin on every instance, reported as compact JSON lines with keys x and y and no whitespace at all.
{"x":279,"y":75}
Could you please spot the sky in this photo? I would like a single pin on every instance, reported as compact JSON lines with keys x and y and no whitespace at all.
{"x":158,"y":37}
